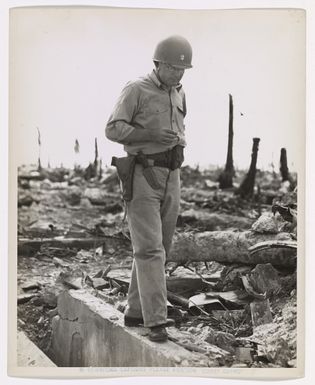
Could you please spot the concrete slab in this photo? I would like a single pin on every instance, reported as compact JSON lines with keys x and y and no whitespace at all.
{"x":28,"y":354}
{"x":90,"y":332}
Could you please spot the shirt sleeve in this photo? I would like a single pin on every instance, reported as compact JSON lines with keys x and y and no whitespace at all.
{"x":119,"y":125}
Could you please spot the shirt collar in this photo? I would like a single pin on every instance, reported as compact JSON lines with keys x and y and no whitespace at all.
{"x":157,"y":82}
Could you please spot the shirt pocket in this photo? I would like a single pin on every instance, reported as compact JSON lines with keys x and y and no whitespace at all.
{"x":157,"y":108}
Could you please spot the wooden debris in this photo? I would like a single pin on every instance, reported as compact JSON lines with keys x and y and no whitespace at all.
{"x":31,"y":286}
{"x":59,"y":262}
{"x":261,"y":313}
{"x":177,"y":299}
{"x":264,"y":278}
{"x":52,"y":313}
{"x":99,"y":283}
{"x":25,"y":298}
{"x":70,"y":281}
{"x":25,"y":245}
{"x":235,"y":299}
{"x":103,"y":273}
{"x":250,"y":290}
{"x":208,"y":304}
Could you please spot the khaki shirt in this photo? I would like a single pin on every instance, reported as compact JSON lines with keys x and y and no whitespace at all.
{"x":147,"y":104}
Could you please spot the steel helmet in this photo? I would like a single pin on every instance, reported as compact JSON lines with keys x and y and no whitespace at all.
{"x":174,"y":50}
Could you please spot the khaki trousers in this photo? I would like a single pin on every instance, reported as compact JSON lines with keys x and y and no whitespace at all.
{"x":152,"y":216}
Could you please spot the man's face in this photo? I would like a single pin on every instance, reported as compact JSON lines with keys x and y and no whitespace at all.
{"x":170,"y":75}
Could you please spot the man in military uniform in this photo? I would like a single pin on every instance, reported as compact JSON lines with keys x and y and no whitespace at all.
{"x":148,"y":120}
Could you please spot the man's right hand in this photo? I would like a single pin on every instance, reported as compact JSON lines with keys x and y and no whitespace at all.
{"x":164,"y":136}
{"x":158,"y":135}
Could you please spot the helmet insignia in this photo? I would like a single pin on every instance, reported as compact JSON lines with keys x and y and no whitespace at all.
{"x":182,"y":57}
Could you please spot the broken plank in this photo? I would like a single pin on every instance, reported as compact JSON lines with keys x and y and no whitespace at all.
{"x":26,"y":245}
{"x":261,"y":314}
{"x":25,"y":298}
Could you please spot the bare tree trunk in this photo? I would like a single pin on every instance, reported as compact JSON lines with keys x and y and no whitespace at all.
{"x":246,"y":189}
{"x":100,"y":171}
{"x":96,"y":159}
{"x":234,"y":247}
{"x":96,"y":155}
{"x":76,"y":152}
{"x":226,"y":177}
{"x":284,"y":165}
{"x":39,"y":168}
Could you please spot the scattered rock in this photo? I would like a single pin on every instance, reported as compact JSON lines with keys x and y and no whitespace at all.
{"x":225,"y":341}
{"x":25,"y":200}
{"x":60,"y":262}
{"x":243,"y":354}
{"x":211,"y":185}
{"x":277,"y":351}
{"x":177,"y":359}
{"x":266,"y":223}
{"x":231,"y":277}
{"x":76,"y":181}
{"x":239,"y":365}
{"x":265,"y":279}
{"x":285,"y":187}
{"x":95,"y":195}
{"x":292,"y":363}
{"x":73,"y":196}
{"x":213,"y":363}
{"x":46,"y":184}
{"x":85,"y":203}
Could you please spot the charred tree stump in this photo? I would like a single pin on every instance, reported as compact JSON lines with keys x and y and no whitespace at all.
{"x":226,"y":177}
{"x":246,"y":189}
{"x":95,"y":158}
{"x":92,"y":169}
{"x":284,"y":165}
{"x":39,"y":167}
{"x":76,"y":152}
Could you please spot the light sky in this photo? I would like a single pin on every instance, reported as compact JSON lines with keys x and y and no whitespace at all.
{"x":68,"y":65}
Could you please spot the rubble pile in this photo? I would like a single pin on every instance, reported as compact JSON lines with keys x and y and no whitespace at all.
{"x":231,"y":277}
